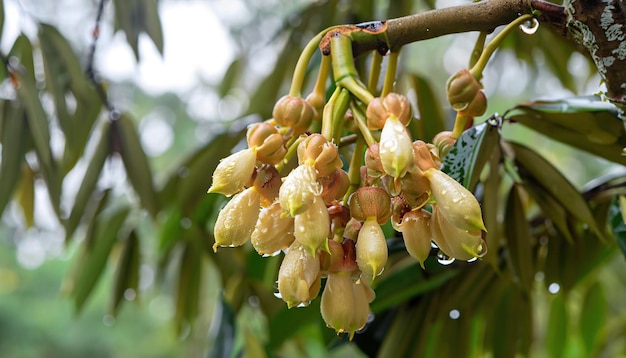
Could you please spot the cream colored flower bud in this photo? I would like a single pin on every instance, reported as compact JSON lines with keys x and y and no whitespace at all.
{"x":370,"y":201}
{"x":379,"y":109}
{"x":270,"y":147}
{"x":236,"y":221}
{"x":415,"y":228}
{"x":273,"y":231}
{"x":325,"y":154}
{"x":298,"y":276}
{"x":299,"y":189}
{"x":457,"y":204}
{"x":396,"y":148}
{"x":311,"y":227}
{"x":344,"y":304}
{"x":233,"y":172}
{"x":455,"y":242}
{"x":371,"y":249}
{"x":294,"y":112}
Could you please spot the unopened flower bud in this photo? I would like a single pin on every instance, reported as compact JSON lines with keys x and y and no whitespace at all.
{"x":340,"y":257}
{"x":415,"y":189}
{"x":344,"y":304}
{"x":396,"y":148}
{"x":369,"y":202}
{"x":477,"y":106}
{"x":444,"y":142}
{"x":457,"y":204}
{"x":273,"y":231}
{"x":267,"y":182}
{"x":371,"y":249}
{"x":424,"y":159}
{"x":379,"y":109}
{"x":270,"y":147}
{"x":294,"y":112}
{"x":233,"y":172}
{"x":298,"y":276}
{"x":312,"y":226}
{"x":236,"y":221}
{"x":325,"y":154}
{"x":335,"y":185}
{"x":462,"y":87}
{"x":415,"y":228}
{"x":372,"y":160}
{"x":458,"y":243}
{"x":299,"y":189}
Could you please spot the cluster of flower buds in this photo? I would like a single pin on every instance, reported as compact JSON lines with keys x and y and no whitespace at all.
{"x":323,"y":236}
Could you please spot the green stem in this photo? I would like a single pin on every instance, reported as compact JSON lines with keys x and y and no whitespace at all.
{"x":478,"y":48}
{"x":327,"y":115}
{"x":344,"y":72}
{"x":339,"y":113}
{"x":361,"y":122}
{"x":372,"y":82}
{"x":459,"y":125}
{"x":303,"y":62}
{"x":322,"y":77}
{"x":354,"y":172}
{"x":292,"y":148}
{"x":390,"y":76}
{"x":477,"y":70}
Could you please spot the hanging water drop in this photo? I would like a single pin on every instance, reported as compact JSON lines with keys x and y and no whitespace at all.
{"x":444,"y":259}
{"x":530,"y":27}
{"x":472,"y":259}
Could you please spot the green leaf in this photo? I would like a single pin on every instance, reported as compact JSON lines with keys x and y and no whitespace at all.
{"x":127,"y":276}
{"x":505,"y":335}
{"x":188,"y":288}
{"x":431,"y":116}
{"x":25,"y":195}
{"x":152,"y":23}
{"x":14,"y":140}
{"x":518,"y":239}
{"x":586,"y":123}
{"x":406,"y":283}
{"x":90,"y":179}
{"x":224,"y":339}
{"x":287,"y":322}
{"x":470,"y":153}
{"x":593,"y":316}
{"x":92,"y":261}
{"x":618,"y":222}
{"x":135,"y":162}
{"x":137,"y":16}
{"x":554,"y":183}
{"x":557,"y":331}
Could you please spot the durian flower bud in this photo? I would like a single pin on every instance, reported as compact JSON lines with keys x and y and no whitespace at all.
{"x":295,"y":113}
{"x":311,"y":227}
{"x":340,"y":257}
{"x":335,"y":185}
{"x":369,"y":202}
{"x":299,"y":189}
{"x":379,"y":109}
{"x":316,"y":100}
{"x":477,"y":106}
{"x":344,"y":304}
{"x":273,"y":231}
{"x":415,"y":228}
{"x":462,"y":87}
{"x":234,"y":172}
{"x":458,"y":243}
{"x":325,"y":154}
{"x":415,"y":189}
{"x":456,"y":203}
{"x":298,"y":276}
{"x":236,"y":221}
{"x":424,"y":158}
{"x":371,"y":249}
{"x":267,"y":182}
{"x":270,"y":146}
{"x":396,"y":148}
{"x":444,"y":142}
{"x":372,"y":160}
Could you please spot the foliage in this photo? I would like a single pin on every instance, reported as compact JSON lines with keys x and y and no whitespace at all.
{"x":542,"y":229}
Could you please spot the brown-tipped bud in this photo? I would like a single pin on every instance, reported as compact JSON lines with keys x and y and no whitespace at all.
{"x":340,"y":257}
{"x":477,"y":106}
{"x":325,"y":154}
{"x":267,"y":182}
{"x":273,"y":231}
{"x":396,"y":148}
{"x":399,"y":207}
{"x":298,"y":276}
{"x":295,"y":113}
{"x":312,"y":227}
{"x":299,"y":189}
{"x":462,"y":87}
{"x":269,"y":144}
{"x":234,"y":172}
{"x":423,"y":156}
{"x":415,"y":189}
{"x":415,"y":228}
{"x":236,"y":221}
{"x":335,"y":185}
{"x":344,"y":304}
{"x":369,"y":202}
{"x":457,"y":204}
{"x":371,"y":249}
{"x":444,"y":142}
{"x":372,"y":161}
{"x":458,"y":243}
{"x":379,"y":109}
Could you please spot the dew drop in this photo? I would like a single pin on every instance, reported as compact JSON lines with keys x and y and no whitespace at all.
{"x":444,"y":259}
{"x":472,"y":259}
{"x":455,"y":314}
{"x":554,"y":288}
{"x":530,"y":27}
{"x":304,"y":304}
{"x":278,"y":295}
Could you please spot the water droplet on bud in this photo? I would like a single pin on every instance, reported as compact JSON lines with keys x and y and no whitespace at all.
{"x":444,"y":259}
{"x":530,"y":27}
